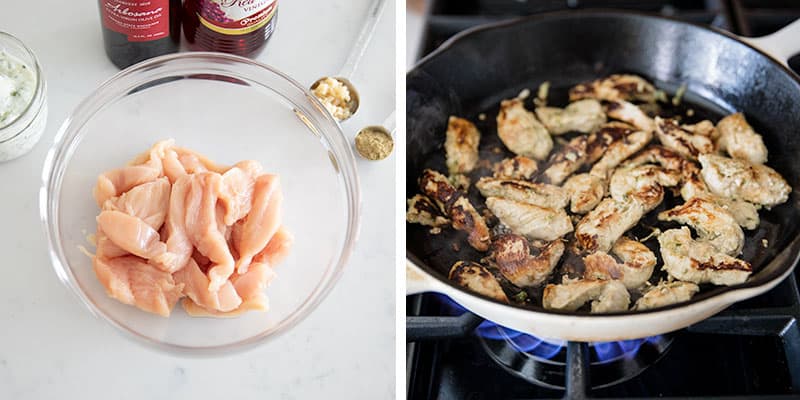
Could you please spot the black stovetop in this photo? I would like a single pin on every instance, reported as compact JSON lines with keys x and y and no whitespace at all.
{"x":749,"y":351}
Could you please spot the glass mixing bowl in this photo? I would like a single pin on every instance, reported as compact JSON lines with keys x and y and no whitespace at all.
{"x":228,"y":108}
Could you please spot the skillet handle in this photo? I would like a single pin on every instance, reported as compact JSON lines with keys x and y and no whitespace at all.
{"x":782,"y":44}
{"x":418,"y":281}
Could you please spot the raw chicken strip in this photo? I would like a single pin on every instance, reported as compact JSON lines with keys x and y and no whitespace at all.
{"x":106,"y":248}
{"x":236,"y":194}
{"x":262,"y":222}
{"x":203,"y":230}
{"x":196,"y":287}
{"x":179,"y":248}
{"x":131,"y":234}
{"x":117,"y":181}
{"x":249,"y":287}
{"x":132,"y":281}
{"x":148,"y":202}
{"x":277,"y":249}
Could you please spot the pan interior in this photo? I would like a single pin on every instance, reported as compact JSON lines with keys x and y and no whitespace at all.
{"x":471,"y":75}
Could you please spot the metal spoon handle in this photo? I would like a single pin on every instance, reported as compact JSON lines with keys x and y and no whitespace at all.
{"x":367,"y":30}
{"x":390,"y":123}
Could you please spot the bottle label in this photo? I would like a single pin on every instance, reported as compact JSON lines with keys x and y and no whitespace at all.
{"x":140,"y":20}
{"x":235,"y":17}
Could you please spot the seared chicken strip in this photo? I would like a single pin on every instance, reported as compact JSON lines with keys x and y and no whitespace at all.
{"x":585,"y":192}
{"x":711,"y":222}
{"x":457,"y":207}
{"x":618,"y":151}
{"x":580,"y":116}
{"x":703,"y":128}
{"x":539,"y":194}
{"x":531,"y":221}
{"x":599,"y":141}
{"x":642,"y":184}
{"x":513,"y":257}
{"x":636,"y":267}
{"x":738,"y":179}
{"x":615,"y":87}
{"x":461,"y":145}
{"x":606,"y":296}
{"x":689,"y":260}
{"x":681,"y":141}
{"x":478,"y":279}
{"x":521,"y":132}
{"x":602,"y":227}
{"x":421,"y":210}
{"x":745,"y":214}
{"x":566,"y":160}
{"x":518,"y":167}
{"x":630,"y":113}
{"x":740,"y":140}
{"x":666,"y":293}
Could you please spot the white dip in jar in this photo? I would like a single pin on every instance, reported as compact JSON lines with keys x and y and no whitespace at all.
{"x":23,"y":106}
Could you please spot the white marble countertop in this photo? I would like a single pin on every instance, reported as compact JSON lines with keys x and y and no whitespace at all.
{"x":52,"y":348}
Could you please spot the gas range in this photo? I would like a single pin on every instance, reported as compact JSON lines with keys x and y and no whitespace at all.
{"x":750,"y":350}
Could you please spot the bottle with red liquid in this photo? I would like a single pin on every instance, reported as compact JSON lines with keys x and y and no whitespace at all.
{"x":135,"y":30}
{"x":239,"y":27}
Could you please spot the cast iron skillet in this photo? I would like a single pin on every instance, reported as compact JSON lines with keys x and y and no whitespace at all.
{"x":473,"y":71}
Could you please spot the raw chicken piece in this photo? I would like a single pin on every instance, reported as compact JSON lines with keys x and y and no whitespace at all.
{"x":539,"y":194}
{"x":585,"y":191}
{"x":521,"y":132}
{"x":683,"y":142}
{"x":738,"y":179}
{"x":580,"y":116}
{"x":250,"y":287}
{"x":630,"y":113}
{"x":567,"y":160}
{"x":478,"y":279}
{"x":131,"y":234}
{"x":132,"y":281}
{"x":634,"y":270}
{"x":203,"y":230}
{"x":276,"y":250}
{"x":570,"y":295}
{"x":179,"y":248}
{"x":513,"y":257}
{"x":615,"y":87}
{"x":518,"y":167}
{"x":117,"y":181}
{"x":740,"y":140}
{"x":531,"y":221}
{"x":666,"y":293}
{"x":106,"y":249}
{"x":148,"y":202}
{"x":689,"y":260}
{"x":236,"y":194}
{"x":196,"y":287}
{"x":195,"y":161}
{"x":262,"y":222}
{"x":711,"y":222}
{"x":461,"y":145}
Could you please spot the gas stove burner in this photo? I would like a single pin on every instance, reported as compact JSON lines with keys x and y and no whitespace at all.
{"x":543,"y":361}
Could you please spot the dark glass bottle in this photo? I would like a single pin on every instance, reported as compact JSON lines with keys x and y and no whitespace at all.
{"x":135,"y":30}
{"x":239,"y":27}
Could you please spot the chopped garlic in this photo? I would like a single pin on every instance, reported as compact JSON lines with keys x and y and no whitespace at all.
{"x":335,"y":96}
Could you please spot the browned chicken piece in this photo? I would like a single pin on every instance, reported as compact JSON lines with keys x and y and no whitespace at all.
{"x":664,"y":157}
{"x":602,"y":227}
{"x":643,"y":184}
{"x":635,"y":268}
{"x":539,"y":194}
{"x":695,"y":261}
{"x":615,"y":87}
{"x":585,"y":192}
{"x":703,"y":128}
{"x":518,"y":167}
{"x":666,"y":293}
{"x":739,"y":179}
{"x":461,"y":145}
{"x":566,"y":160}
{"x":460,"y":182}
{"x":712,"y":223}
{"x":580,"y":116}
{"x":681,"y":141}
{"x":512,"y":254}
{"x":457,"y":207}
{"x":606,"y":296}
{"x":618,"y":151}
{"x":746,"y":214}
{"x":740,"y":140}
{"x":598,"y":141}
{"x":421,"y":210}
{"x":630,"y":113}
{"x":521,"y":132}
{"x":478,"y":279}
{"x":531,"y":221}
